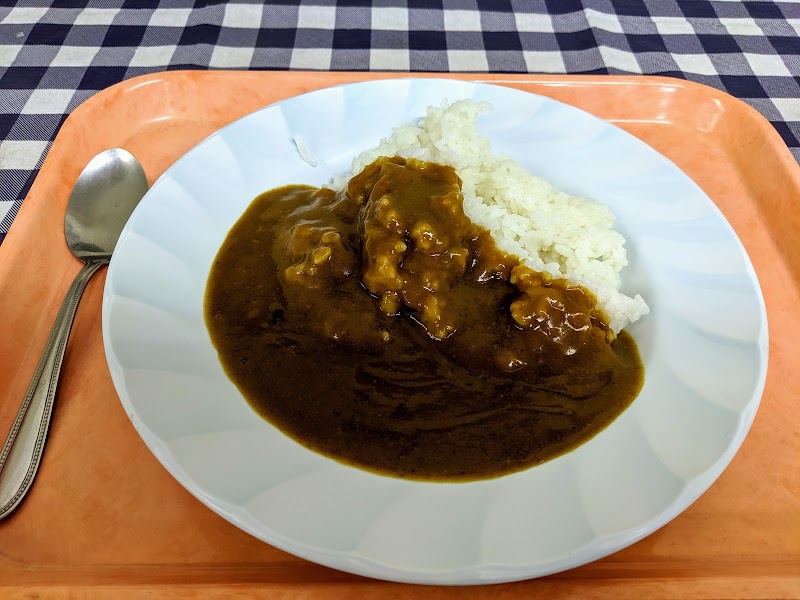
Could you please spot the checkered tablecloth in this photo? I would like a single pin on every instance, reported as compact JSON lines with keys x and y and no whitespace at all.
{"x":54,"y":55}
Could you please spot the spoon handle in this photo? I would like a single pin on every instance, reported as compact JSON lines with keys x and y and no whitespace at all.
{"x":22,"y":452}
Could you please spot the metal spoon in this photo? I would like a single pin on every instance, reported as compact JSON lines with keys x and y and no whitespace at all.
{"x":107,"y":191}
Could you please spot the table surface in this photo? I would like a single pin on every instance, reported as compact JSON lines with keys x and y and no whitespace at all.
{"x":55,"y":55}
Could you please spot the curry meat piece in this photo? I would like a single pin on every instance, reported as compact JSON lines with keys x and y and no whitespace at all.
{"x":416,"y":239}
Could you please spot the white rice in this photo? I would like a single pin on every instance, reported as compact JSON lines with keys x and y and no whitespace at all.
{"x":305,"y":155}
{"x":550,"y":231}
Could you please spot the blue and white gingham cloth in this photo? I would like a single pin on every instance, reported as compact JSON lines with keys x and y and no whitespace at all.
{"x":54,"y":55}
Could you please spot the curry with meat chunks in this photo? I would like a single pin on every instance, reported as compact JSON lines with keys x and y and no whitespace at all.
{"x":379,"y":326}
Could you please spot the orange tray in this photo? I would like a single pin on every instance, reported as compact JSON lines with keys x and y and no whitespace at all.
{"x":104,"y":519}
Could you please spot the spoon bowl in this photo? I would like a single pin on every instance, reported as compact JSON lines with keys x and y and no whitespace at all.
{"x":107,"y":191}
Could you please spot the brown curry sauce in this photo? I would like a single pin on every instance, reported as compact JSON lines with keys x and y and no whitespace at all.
{"x":380,"y":327}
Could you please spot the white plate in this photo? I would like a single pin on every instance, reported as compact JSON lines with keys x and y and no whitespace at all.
{"x":704,"y":346}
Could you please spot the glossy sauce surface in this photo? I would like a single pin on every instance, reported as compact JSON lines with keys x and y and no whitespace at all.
{"x":382,"y":328}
